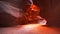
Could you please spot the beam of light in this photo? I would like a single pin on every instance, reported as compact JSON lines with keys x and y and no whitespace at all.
{"x":11,"y":10}
{"x":31,"y":1}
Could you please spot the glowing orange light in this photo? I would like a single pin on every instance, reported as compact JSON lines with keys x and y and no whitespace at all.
{"x":34,"y":7}
{"x":32,"y":14}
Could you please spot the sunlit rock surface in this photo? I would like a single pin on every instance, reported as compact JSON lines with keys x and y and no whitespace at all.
{"x":29,"y":29}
